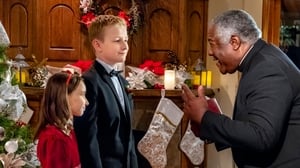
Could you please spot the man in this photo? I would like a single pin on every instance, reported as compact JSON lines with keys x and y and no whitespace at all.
{"x":264,"y":131}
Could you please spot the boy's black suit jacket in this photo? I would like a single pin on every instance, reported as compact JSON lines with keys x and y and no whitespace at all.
{"x":104,"y":132}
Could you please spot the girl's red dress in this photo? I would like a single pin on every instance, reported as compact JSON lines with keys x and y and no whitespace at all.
{"x":56,"y":149}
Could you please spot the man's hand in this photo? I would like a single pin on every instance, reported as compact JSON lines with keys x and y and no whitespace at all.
{"x":194,"y":107}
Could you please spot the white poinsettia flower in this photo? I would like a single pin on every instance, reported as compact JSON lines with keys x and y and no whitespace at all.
{"x":85,"y":5}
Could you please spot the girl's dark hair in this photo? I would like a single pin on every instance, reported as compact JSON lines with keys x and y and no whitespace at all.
{"x":54,"y":108}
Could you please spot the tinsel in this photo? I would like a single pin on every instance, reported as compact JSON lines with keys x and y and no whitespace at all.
{"x":4,"y":43}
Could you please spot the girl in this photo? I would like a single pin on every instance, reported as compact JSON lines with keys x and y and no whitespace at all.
{"x":64,"y":97}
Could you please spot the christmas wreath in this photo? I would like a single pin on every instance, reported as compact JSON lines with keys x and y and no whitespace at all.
{"x":133,"y":16}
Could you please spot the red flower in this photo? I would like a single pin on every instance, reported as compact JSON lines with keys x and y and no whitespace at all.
{"x":83,"y":65}
{"x":158,"y":70}
{"x":157,"y":64}
{"x":123,"y":15}
{"x":155,"y":67}
{"x":87,"y":18}
{"x":146,"y":64}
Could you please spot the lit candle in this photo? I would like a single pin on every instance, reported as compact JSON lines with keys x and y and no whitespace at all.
{"x":203,"y":78}
{"x":209,"y":79}
{"x":21,"y":75}
{"x":169,"y":79}
{"x":196,"y":80}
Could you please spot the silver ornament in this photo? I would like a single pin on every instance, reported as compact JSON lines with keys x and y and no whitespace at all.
{"x":11,"y":146}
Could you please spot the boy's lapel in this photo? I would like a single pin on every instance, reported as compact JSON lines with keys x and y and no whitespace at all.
{"x":126,"y":100}
{"x":107,"y":78}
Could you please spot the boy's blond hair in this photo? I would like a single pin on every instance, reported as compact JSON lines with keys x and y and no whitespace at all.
{"x":100,"y":22}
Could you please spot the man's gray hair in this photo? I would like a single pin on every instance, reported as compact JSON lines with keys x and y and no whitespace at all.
{"x":236,"y":22}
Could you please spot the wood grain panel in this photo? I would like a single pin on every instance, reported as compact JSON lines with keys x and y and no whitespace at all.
{"x":196,"y":39}
{"x":1,"y":10}
{"x":59,"y":37}
{"x":161,"y":29}
{"x":195,"y":36}
{"x":197,"y":25}
{"x":271,"y":21}
{"x":18,"y":33}
{"x":18,"y":24}
{"x":61,"y":30}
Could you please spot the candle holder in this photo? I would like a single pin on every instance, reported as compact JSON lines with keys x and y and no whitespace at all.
{"x":21,"y":65}
{"x":201,"y":76}
{"x":206,"y":78}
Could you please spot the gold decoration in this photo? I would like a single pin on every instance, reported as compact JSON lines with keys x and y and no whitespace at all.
{"x":38,"y":73}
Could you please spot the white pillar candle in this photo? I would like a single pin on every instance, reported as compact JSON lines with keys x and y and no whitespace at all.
{"x":169,"y":79}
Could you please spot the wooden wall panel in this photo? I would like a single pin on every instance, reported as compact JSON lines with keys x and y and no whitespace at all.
{"x":18,"y":34}
{"x":1,"y":10}
{"x":271,"y":21}
{"x":60,"y":30}
{"x":161,"y":29}
{"x":179,"y":26}
{"x":18,"y":21}
{"x":197,"y":26}
{"x":53,"y":31}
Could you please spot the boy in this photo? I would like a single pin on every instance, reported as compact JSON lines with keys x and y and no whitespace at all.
{"x":104,"y":132}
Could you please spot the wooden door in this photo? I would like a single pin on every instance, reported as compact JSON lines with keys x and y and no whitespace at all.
{"x":197,"y":11}
{"x":178,"y":26}
{"x":161,"y":29}
{"x":19,"y":25}
{"x":59,"y":37}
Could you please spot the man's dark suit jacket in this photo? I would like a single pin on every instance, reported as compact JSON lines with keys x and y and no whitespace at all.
{"x":104,"y":131}
{"x":265,"y":130}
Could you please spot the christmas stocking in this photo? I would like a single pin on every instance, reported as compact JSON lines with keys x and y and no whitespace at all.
{"x":153,"y":145}
{"x":192,"y":146}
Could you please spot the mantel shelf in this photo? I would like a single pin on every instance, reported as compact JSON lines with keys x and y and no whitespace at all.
{"x":37,"y":92}
{"x":168,"y":93}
